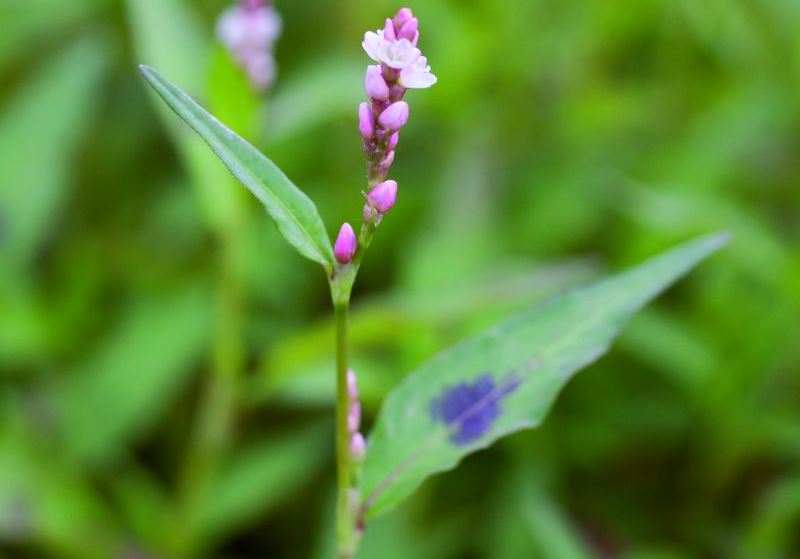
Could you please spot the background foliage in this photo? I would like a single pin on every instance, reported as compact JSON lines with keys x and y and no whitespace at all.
{"x":166,"y":360}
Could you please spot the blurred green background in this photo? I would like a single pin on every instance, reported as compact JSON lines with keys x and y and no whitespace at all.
{"x":167,"y":361}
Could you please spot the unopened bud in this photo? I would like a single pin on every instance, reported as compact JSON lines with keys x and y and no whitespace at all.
{"x":392,"y":143}
{"x":402,"y":16}
{"x":376,"y":85}
{"x":388,"y":30}
{"x":345,"y":246}
{"x":382,"y":197}
{"x":395,"y":116}
{"x":352,"y":388}
{"x":354,"y":417}
{"x":366,"y":122}
{"x":358,"y":447}
{"x":386,"y":164}
{"x":409,"y":29}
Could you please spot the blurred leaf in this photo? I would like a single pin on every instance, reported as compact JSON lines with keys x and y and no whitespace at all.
{"x":552,"y":532}
{"x":293,"y":212}
{"x":260,"y":477}
{"x":520,"y":365}
{"x":774,"y":523}
{"x":315,"y":94}
{"x":42,"y":502}
{"x":168,"y":34}
{"x":27,"y":22}
{"x":47,"y":117}
{"x":131,"y":379}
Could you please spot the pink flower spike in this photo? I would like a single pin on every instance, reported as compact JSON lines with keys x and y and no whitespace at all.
{"x":395,"y":116}
{"x":345,"y":246}
{"x":393,"y":140}
{"x":354,"y":417}
{"x":358,"y":447}
{"x":409,"y":29}
{"x":402,"y":16}
{"x":376,"y":85}
{"x":384,"y":195}
{"x":352,"y":388}
{"x":388,"y":31}
{"x":366,"y":122}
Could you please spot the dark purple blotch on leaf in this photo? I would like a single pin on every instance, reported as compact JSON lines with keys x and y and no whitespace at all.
{"x":471,"y":409}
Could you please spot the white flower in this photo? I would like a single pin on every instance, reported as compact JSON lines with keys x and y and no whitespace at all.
{"x":395,"y":54}
{"x":418,"y":75}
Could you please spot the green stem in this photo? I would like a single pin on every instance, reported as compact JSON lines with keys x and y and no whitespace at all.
{"x":347,"y":533}
{"x":345,"y":520}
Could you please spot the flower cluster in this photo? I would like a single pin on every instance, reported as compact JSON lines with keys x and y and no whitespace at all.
{"x":249,"y":31}
{"x":401,"y":66}
{"x":358,"y":446}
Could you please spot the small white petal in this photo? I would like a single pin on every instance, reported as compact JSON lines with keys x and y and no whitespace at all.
{"x":374,"y":44}
{"x":418,"y":75}
{"x":417,"y":79}
{"x":399,"y":54}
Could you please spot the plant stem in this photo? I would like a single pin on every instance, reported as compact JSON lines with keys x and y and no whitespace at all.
{"x":347,"y":496}
{"x":345,"y":525}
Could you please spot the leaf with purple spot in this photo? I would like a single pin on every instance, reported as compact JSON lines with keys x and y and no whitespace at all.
{"x":504,"y":379}
{"x":469,"y":409}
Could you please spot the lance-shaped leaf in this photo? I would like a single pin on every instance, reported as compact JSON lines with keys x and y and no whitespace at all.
{"x":505,"y":379}
{"x":294,"y":213}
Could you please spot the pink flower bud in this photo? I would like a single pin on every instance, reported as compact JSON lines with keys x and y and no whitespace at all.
{"x":345,"y":246}
{"x":386,"y":164}
{"x":388,"y":30}
{"x":415,"y":39}
{"x":409,"y":29}
{"x":366,"y":122}
{"x":352,"y":388}
{"x":384,"y":195}
{"x":392,"y":143}
{"x":395,"y":116}
{"x":376,"y":85}
{"x":354,"y":417}
{"x":358,"y":447}
{"x":402,"y":16}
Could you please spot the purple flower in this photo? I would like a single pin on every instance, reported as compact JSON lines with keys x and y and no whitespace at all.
{"x":471,"y":409}
{"x":392,"y":143}
{"x":354,"y":416}
{"x":249,"y":31}
{"x":403,"y":15}
{"x":358,"y":447}
{"x":366,"y":121}
{"x":352,"y":387}
{"x":401,"y":66}
{"x":382,"y":197}
{"x":345,"y":246}
{"x":395,"y":116}
{"x":376,"y":85}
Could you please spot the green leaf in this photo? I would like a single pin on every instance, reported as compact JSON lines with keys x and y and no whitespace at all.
{"x":128,"y":383}
{"x":33,"y":190}
{"x":526,"y":360}
{"x":293,"y":212}
{"x":259,"y":478}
